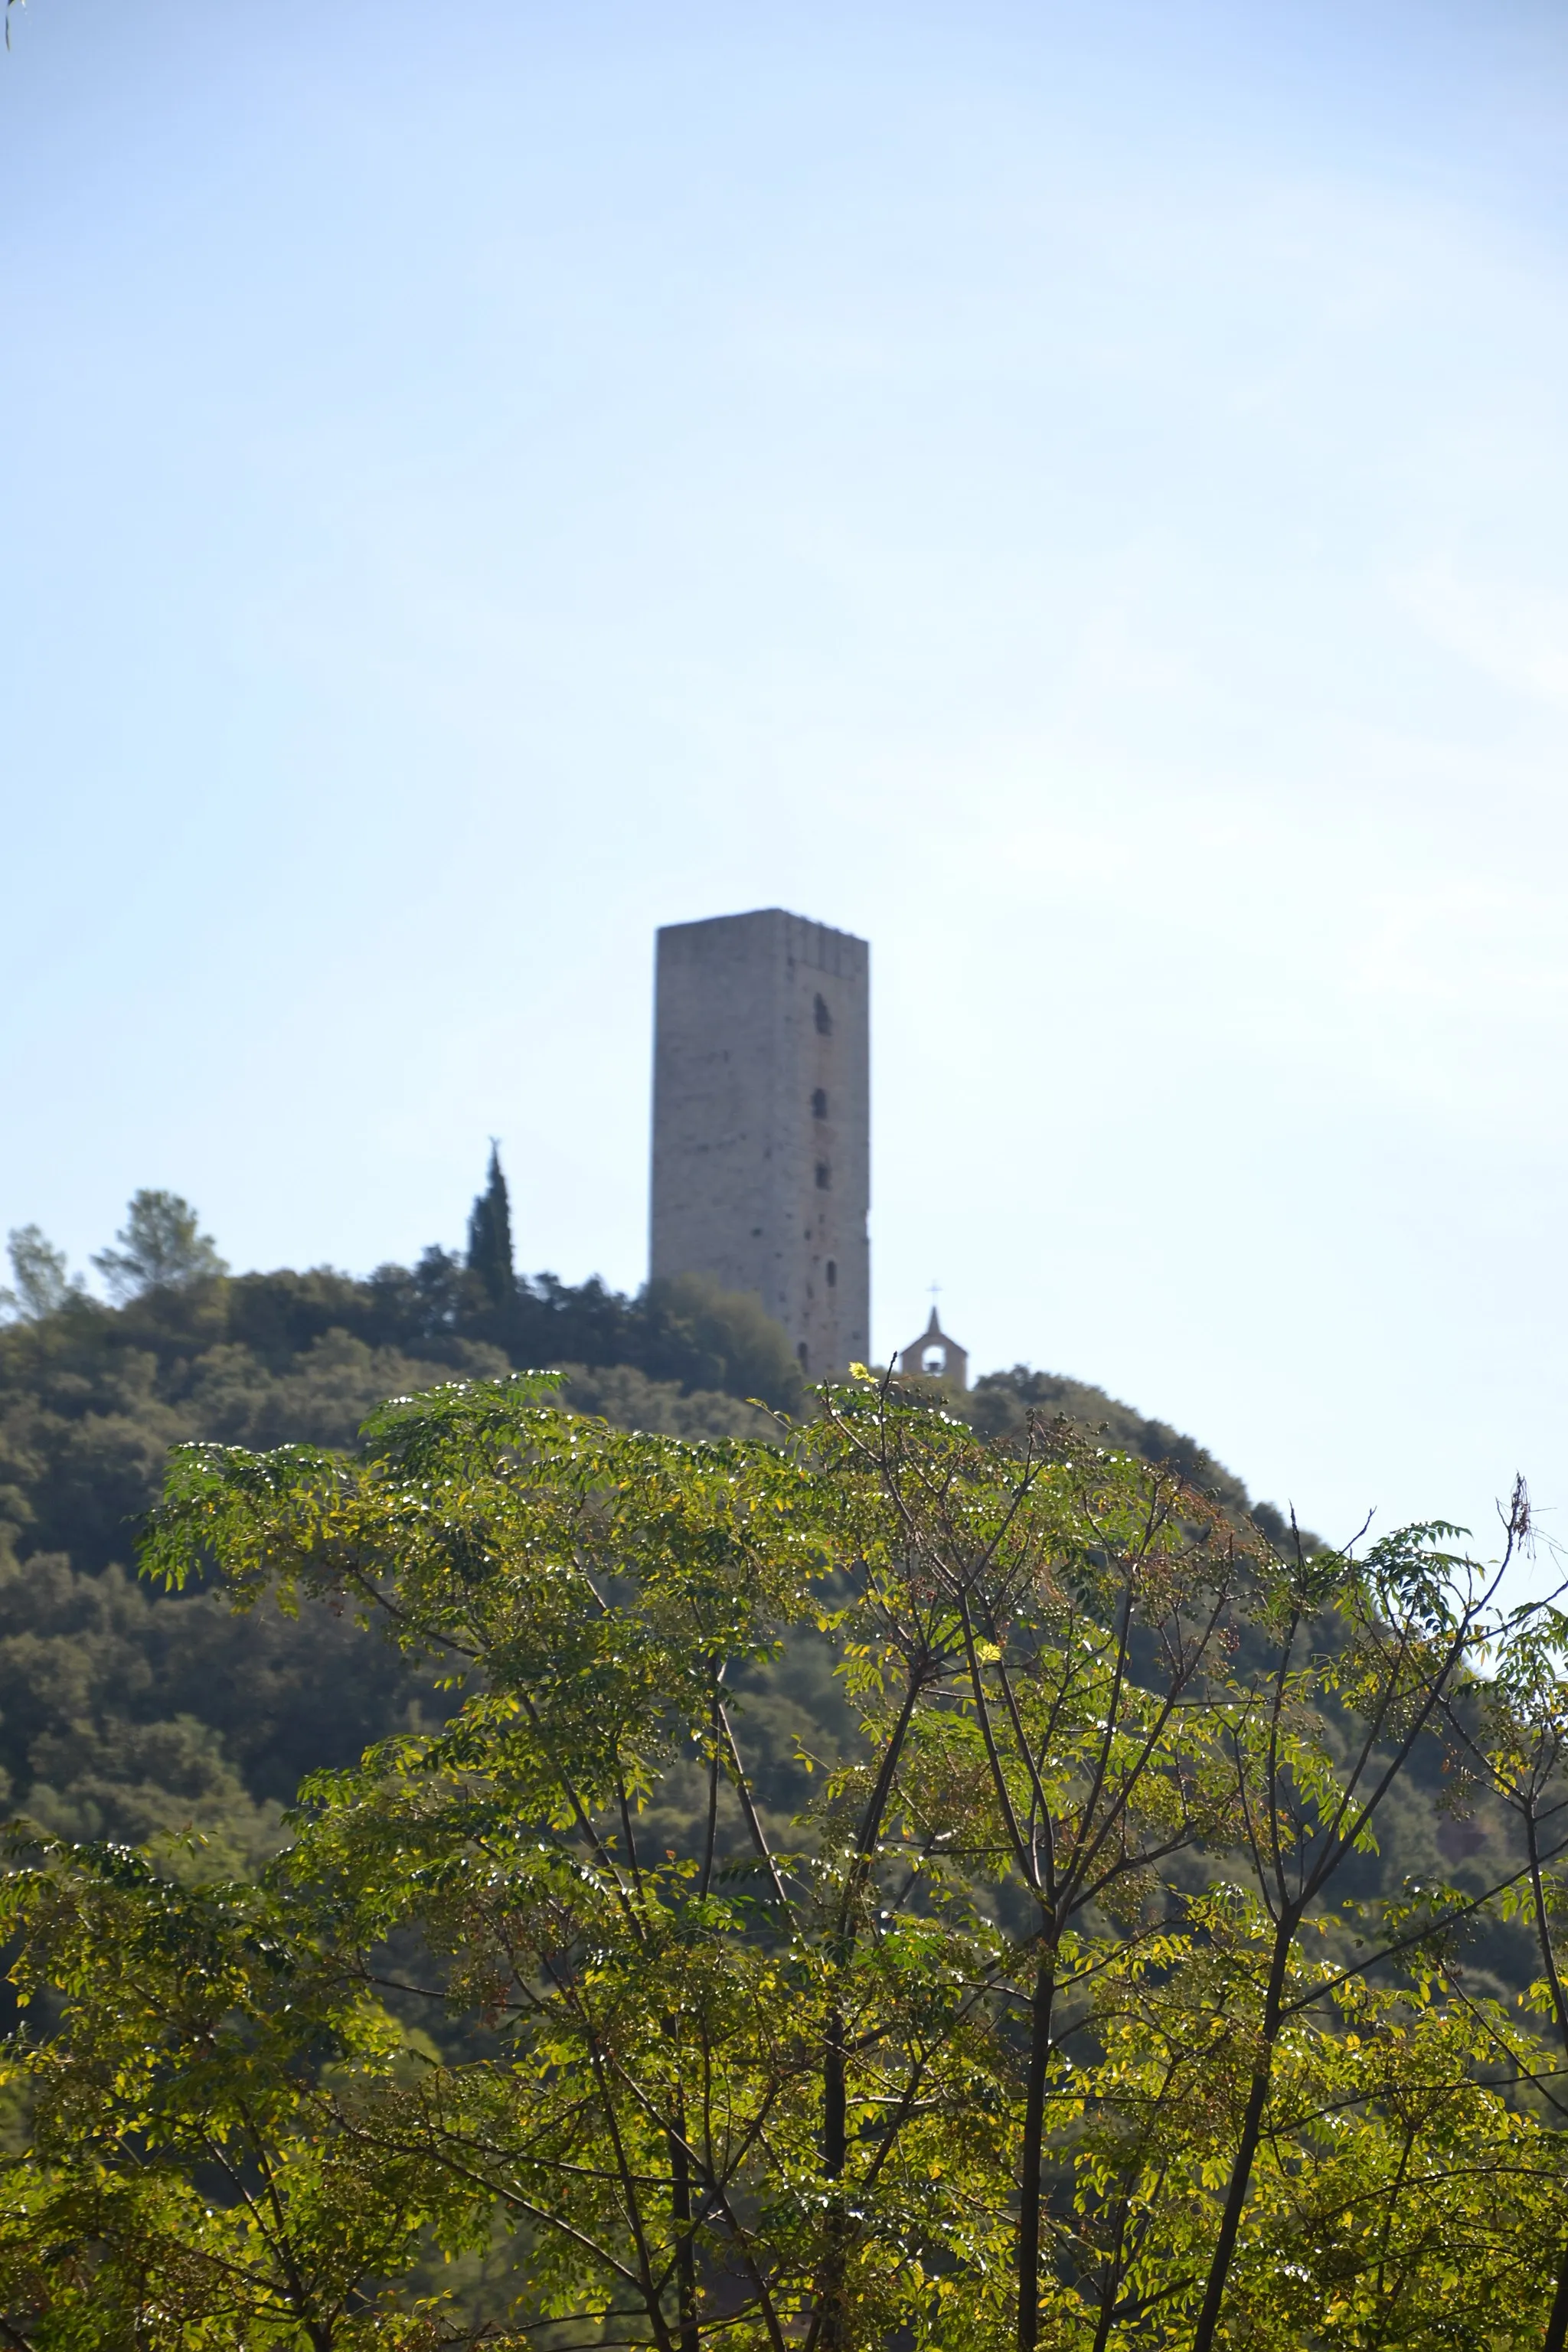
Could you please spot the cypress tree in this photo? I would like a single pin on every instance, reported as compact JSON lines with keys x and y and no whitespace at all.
{"x":489,"y":1236}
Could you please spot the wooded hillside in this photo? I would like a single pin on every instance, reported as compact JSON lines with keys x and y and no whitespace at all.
{"x":129,"y":1714}
{"x":873,"y":1886}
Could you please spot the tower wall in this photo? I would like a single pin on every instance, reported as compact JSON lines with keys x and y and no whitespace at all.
{"x":761,"y":1150}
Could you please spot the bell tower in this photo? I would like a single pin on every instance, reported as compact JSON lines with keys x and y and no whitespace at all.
{"x":934,"y":1357}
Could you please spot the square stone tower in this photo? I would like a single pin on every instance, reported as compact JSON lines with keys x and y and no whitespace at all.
{"x":762,"y":1136}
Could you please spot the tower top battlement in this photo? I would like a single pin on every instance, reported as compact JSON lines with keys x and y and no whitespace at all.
{"x":817,"y":945}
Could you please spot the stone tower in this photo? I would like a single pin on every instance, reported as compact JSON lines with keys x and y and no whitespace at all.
{"x":761,"y":1150}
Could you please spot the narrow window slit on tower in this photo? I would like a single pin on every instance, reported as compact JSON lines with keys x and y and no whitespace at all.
{"x":824,"y":1018}
{"x":819,"y":1102}
{"x":832,"y":1273}
{"x":823,"y":1176}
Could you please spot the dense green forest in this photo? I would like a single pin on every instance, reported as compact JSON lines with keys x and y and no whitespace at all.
{"x":127,"y":1714}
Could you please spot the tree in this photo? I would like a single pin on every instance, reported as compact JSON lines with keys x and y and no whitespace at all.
{"x":545,"y":1971}
{"x":160,"y":1247}
{"x":1510,"y":1732}
{"x":710,"y":1338}
{"x":489,"y":1237}
{"x":669,"y":2018}
{"x":1386,"y":1639}
{"x":38,"y":1271}
{"x":1087,"y":1602}
{"x":1401,"y":2196}
{"x":198,"y":2174}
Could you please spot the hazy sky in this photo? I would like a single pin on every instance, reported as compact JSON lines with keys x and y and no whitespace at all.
{"x":1076,"y":493}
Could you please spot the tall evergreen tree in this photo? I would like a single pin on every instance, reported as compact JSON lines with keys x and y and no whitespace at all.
{"x":490,"y":1236}
{"x":162,"y":1247}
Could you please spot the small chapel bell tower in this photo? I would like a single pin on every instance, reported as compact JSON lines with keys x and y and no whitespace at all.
{"x":934,"y":1357}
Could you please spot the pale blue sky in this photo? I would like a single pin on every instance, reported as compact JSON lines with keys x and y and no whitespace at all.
{"x":1078,"y":494}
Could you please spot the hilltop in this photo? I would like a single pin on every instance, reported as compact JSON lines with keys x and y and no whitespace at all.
{"x":128,"y":1714}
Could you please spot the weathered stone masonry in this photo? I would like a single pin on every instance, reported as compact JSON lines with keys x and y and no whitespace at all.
{"x":762,"y":1147}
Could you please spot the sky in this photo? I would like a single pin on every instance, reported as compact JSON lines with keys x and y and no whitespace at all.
{"x":1075,"y":494}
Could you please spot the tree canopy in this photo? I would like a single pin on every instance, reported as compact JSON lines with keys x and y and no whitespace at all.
{"x":122,"y":1714}
{"x":1048,"y":2009}
{"x":928,"y":1870}
{"x":161,"y":1246}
